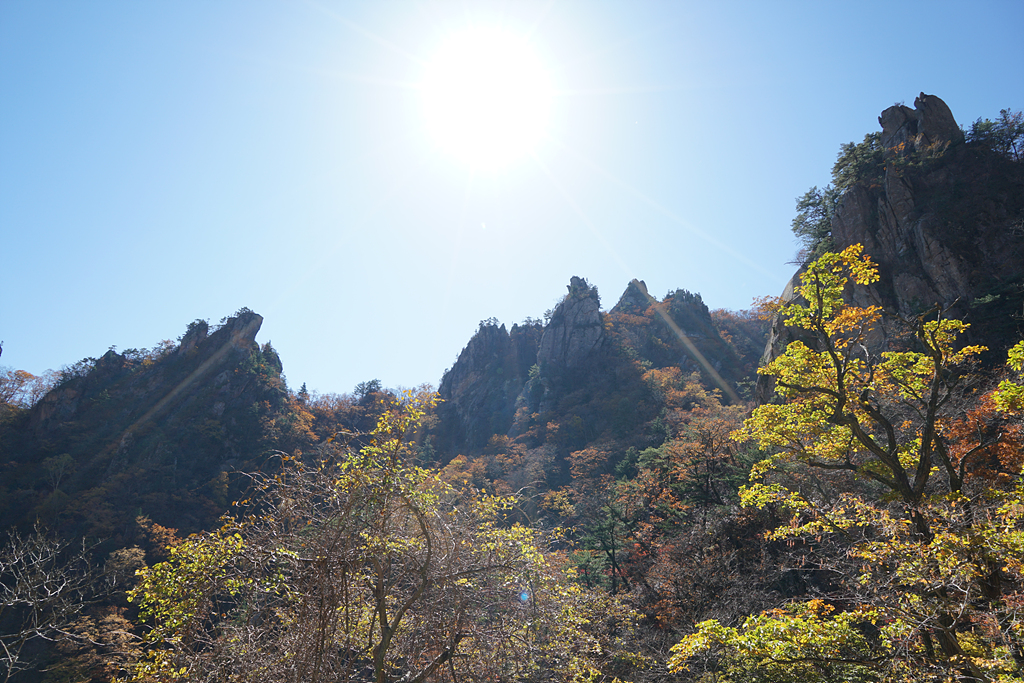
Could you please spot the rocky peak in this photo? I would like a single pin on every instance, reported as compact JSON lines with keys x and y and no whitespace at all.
{"x":928,"y":124}
{"x":486,"y":349}
{"x":941,"y":224}
{"x":943,"y":227}
{"x":634,"y":300}
{"x":194,"y":335}
{"x":241,"y":329}
{"x":109,"y":363}
{"x":479,"y":391}
{"x":575,"y":329}
{"x":141,"y":423}
{"x":201,"y":355}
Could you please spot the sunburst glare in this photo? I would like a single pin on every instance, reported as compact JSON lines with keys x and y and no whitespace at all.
{"x":487,"y":97}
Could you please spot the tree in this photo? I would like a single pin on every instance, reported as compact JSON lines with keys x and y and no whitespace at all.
{"x":44,"y":583}
{"x":847,"y":409}
{"x":857,"y":164}
{"x":20,"y":389}
{"x":805,"y":642}
{"x":362,"y":566}
{"x":919,"y":551}
{"x":686,"y":550}
{"x":813,"y":222}
{"x":1010,"y":397}
{"x":1005,"y":135}
{"x":365,"y":391}
{"x":13,"y":385}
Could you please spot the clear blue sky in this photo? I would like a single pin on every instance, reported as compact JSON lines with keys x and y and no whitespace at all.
{"x":167,"y":161}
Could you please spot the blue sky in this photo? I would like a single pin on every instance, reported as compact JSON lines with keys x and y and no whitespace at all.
{"x":167,"y":161}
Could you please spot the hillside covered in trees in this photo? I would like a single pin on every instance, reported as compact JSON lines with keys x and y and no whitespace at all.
{"x":826,"y":488}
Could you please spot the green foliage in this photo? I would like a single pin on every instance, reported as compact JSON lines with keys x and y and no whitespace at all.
{"x":366,"y":561}
{"x":934,"y":563}
{"x":243,"y":311}
{"x":859,"y":163}
{"x":1010,"y":396}
{"x":182,"y":593}
{"x":1005,"y":135}
{"x":69,"y":373}
{"x":264,"y":363}
{"x":843,"y":405}
{"x":805,"y":642}
{"x":606,"y":534}
{"x":813,"y":222}
{"x":364,"y":391}
{"x":198,"y":328}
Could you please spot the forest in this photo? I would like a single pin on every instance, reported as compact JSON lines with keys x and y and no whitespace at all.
{"x":826,"y":487}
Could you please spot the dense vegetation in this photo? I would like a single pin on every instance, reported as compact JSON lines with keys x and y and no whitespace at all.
{"x":630,"y":515}
{"x":901,"y":487}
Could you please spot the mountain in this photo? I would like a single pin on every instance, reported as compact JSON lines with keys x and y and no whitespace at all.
{"x":586,"y":375}
{"x":942,"y":214}
{"x":162,"y":432}
{"x":146,"y":432}
{"x":615,"y":426}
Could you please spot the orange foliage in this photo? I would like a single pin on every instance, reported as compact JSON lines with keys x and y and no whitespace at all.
{"x":462,"y":471}
{"x":160,"y":539}
{"x":765,"y":307}
{"x":984,"y":444}
{"x":588,"y":463}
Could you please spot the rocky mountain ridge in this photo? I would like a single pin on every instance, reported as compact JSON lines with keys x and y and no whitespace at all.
{"x":145,"y":432}
{"x":944,"y":221}
{"x":506,"y":382}
{"x":941,"y":217}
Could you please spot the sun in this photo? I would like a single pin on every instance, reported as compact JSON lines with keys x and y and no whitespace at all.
{"x":487,"y":97}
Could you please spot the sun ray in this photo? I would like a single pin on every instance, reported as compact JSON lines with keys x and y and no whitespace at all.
{"x":583,"y":217}
{"x":671,"y":215}
{"x":676,"y":330}
{"x":365,"y":32}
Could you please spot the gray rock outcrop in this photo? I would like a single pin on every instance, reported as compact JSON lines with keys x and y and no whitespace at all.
{"x":479,"y":392}
{"x":512,"y":383}
{"x":928,"y":124}
{"x":575,"y":329}
{"x":944,"y":227}
{"x":941,"y":226}
{"x":634,"y":300}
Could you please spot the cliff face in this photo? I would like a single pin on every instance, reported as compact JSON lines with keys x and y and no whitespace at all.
{"x":479,"y":392}
{"x":146,"y":432}
{"x":943,"y":224}
{"x":575,"y":330}
{"x":482,"y":391}
{"x":584,"y":368}
{"x":139,"y":385}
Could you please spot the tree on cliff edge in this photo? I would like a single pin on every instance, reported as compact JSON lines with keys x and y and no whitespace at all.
{"x":917,"y":523}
